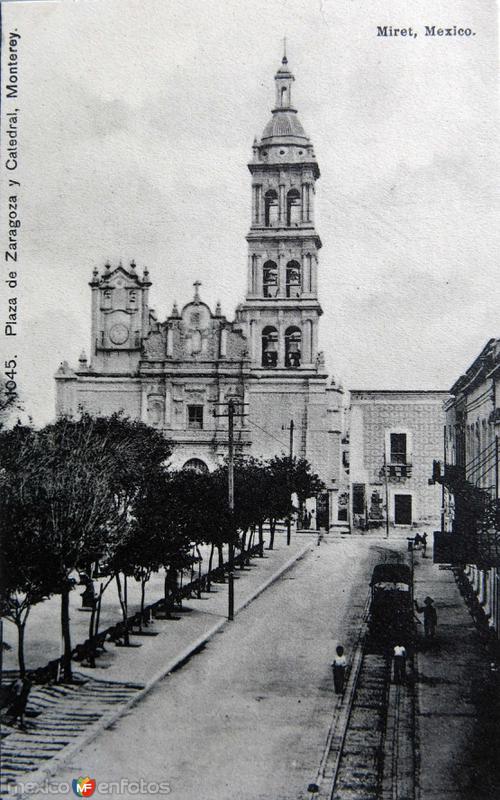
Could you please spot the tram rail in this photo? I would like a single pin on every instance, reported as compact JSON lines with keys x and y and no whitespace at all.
{"x":368,"y":753}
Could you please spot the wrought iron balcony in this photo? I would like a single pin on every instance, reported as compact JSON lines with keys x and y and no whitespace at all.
{"x":398,"y":470}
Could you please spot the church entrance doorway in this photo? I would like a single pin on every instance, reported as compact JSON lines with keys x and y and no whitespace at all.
{"x":196,"y":465}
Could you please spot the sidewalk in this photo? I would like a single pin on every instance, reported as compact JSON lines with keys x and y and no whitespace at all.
{"x":457,"y":722}
{"x":43,"y":629}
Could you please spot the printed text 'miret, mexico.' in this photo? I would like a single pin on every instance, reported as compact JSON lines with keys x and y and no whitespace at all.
{"x":391,"y":31}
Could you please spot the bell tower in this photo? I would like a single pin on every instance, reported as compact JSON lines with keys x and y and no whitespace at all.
{"x":120,"y":317}
{"x":281,"y":307}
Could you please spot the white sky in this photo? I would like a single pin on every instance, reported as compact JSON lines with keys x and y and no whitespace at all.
{"x":137,"y":120}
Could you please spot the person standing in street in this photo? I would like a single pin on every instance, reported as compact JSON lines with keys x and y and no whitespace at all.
{"x":430,"y":617}
{"x":339,"y":667}
{"x":423,"y":539}
{"x":399,"y":663}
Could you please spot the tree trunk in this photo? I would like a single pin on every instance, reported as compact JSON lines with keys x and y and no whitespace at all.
{"x":123,"y":605}
{"x":143,"y":598}
{"x":20,"y":648}
{"x":261,"y":540}
{"x":250,"y":545}
{"x":200,"y":559}
{"x":272,"y":528}
{"x":66,"y":634}
{"x":243,"y":543}
{"x":91,"y":635}
{"x":210,"y":563}
{"x":99,"y":603}
{"x":172,"y":581}
{"x":192,"y":565}
{"x":221,"y":562}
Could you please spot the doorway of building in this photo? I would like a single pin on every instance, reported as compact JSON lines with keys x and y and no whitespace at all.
{"x":322,"y":511}
{"x":402,"y":509}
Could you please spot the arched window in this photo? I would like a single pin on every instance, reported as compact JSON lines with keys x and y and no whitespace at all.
{"x":270,"y":279}
{"x":293,"y":342}
{"x":196,"y":465}
{"x":293,"y":282}
{"x":283,"y":96}
{"x":293,"y":207}
{"x":271,"y":208}
{"x":269,"y":347}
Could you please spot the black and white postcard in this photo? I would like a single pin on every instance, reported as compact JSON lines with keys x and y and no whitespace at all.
{"x":249,"y":399}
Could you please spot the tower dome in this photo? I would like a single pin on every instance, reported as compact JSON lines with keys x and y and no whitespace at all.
{"x":283,"y":123}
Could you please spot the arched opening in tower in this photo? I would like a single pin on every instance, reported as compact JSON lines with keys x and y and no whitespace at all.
{"x":293,"y":207}
{"x":293,"y":344}
{"x":269,"y":347}
{"x":271,"y":208}
{"x":293,"y":281}
{"x":270,"y":279}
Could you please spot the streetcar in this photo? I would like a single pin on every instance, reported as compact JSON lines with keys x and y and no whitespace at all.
{"x":391,"y":620}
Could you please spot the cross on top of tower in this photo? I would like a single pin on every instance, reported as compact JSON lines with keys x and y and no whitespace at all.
{"x":197,"y":285}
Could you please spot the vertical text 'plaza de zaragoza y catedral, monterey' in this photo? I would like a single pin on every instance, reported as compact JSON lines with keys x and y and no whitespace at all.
{"x":177,"y":374}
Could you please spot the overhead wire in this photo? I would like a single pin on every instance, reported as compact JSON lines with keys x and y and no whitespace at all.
{"x":268,"y":433}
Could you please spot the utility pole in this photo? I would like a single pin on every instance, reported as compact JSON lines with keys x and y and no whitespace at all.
{"x":386,"y":479}
{"x":443,"y":493}
{"x":231,"y":413}
{"x":230,"y":486}
{"x":496,"y":468}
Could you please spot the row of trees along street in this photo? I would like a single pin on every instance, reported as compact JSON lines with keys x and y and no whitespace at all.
{"x":96,"y":493}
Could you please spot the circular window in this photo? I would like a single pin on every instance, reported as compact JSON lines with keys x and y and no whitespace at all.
{"x":118,"y":333}
{"x":264,"y":152}
{"x":300,"y":152}
{"x":282,"y":152}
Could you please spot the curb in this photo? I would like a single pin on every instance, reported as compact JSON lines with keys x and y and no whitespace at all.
{"x":107,"y":720}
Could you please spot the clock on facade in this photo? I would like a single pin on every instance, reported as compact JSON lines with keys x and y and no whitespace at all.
{"x":118,"y":333}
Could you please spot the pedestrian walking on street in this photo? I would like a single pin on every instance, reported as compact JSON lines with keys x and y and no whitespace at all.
{"x":399,"y":664}
{"x":339,"y":669}
{"x":430,"y":617}
{"x":423,"y":539}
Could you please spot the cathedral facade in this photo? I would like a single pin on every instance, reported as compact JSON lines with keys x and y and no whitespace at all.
{"x":178,"y":375}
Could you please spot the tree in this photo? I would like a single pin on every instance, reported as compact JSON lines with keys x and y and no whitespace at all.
{"x":25,"y":577}
{"x":75,"y":483}
{"x":139,"y":454}
{"x":164,"y":509}
{"x":72,"y":472}
{"x":9,"y":397}
{"x":287,"y":476}
{"x":251,"y":497}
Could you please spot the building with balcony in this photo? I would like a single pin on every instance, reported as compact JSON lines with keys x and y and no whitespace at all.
{"x":471,"y":476}
{"x":394,"y":437}
{"x":178,"y":374}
